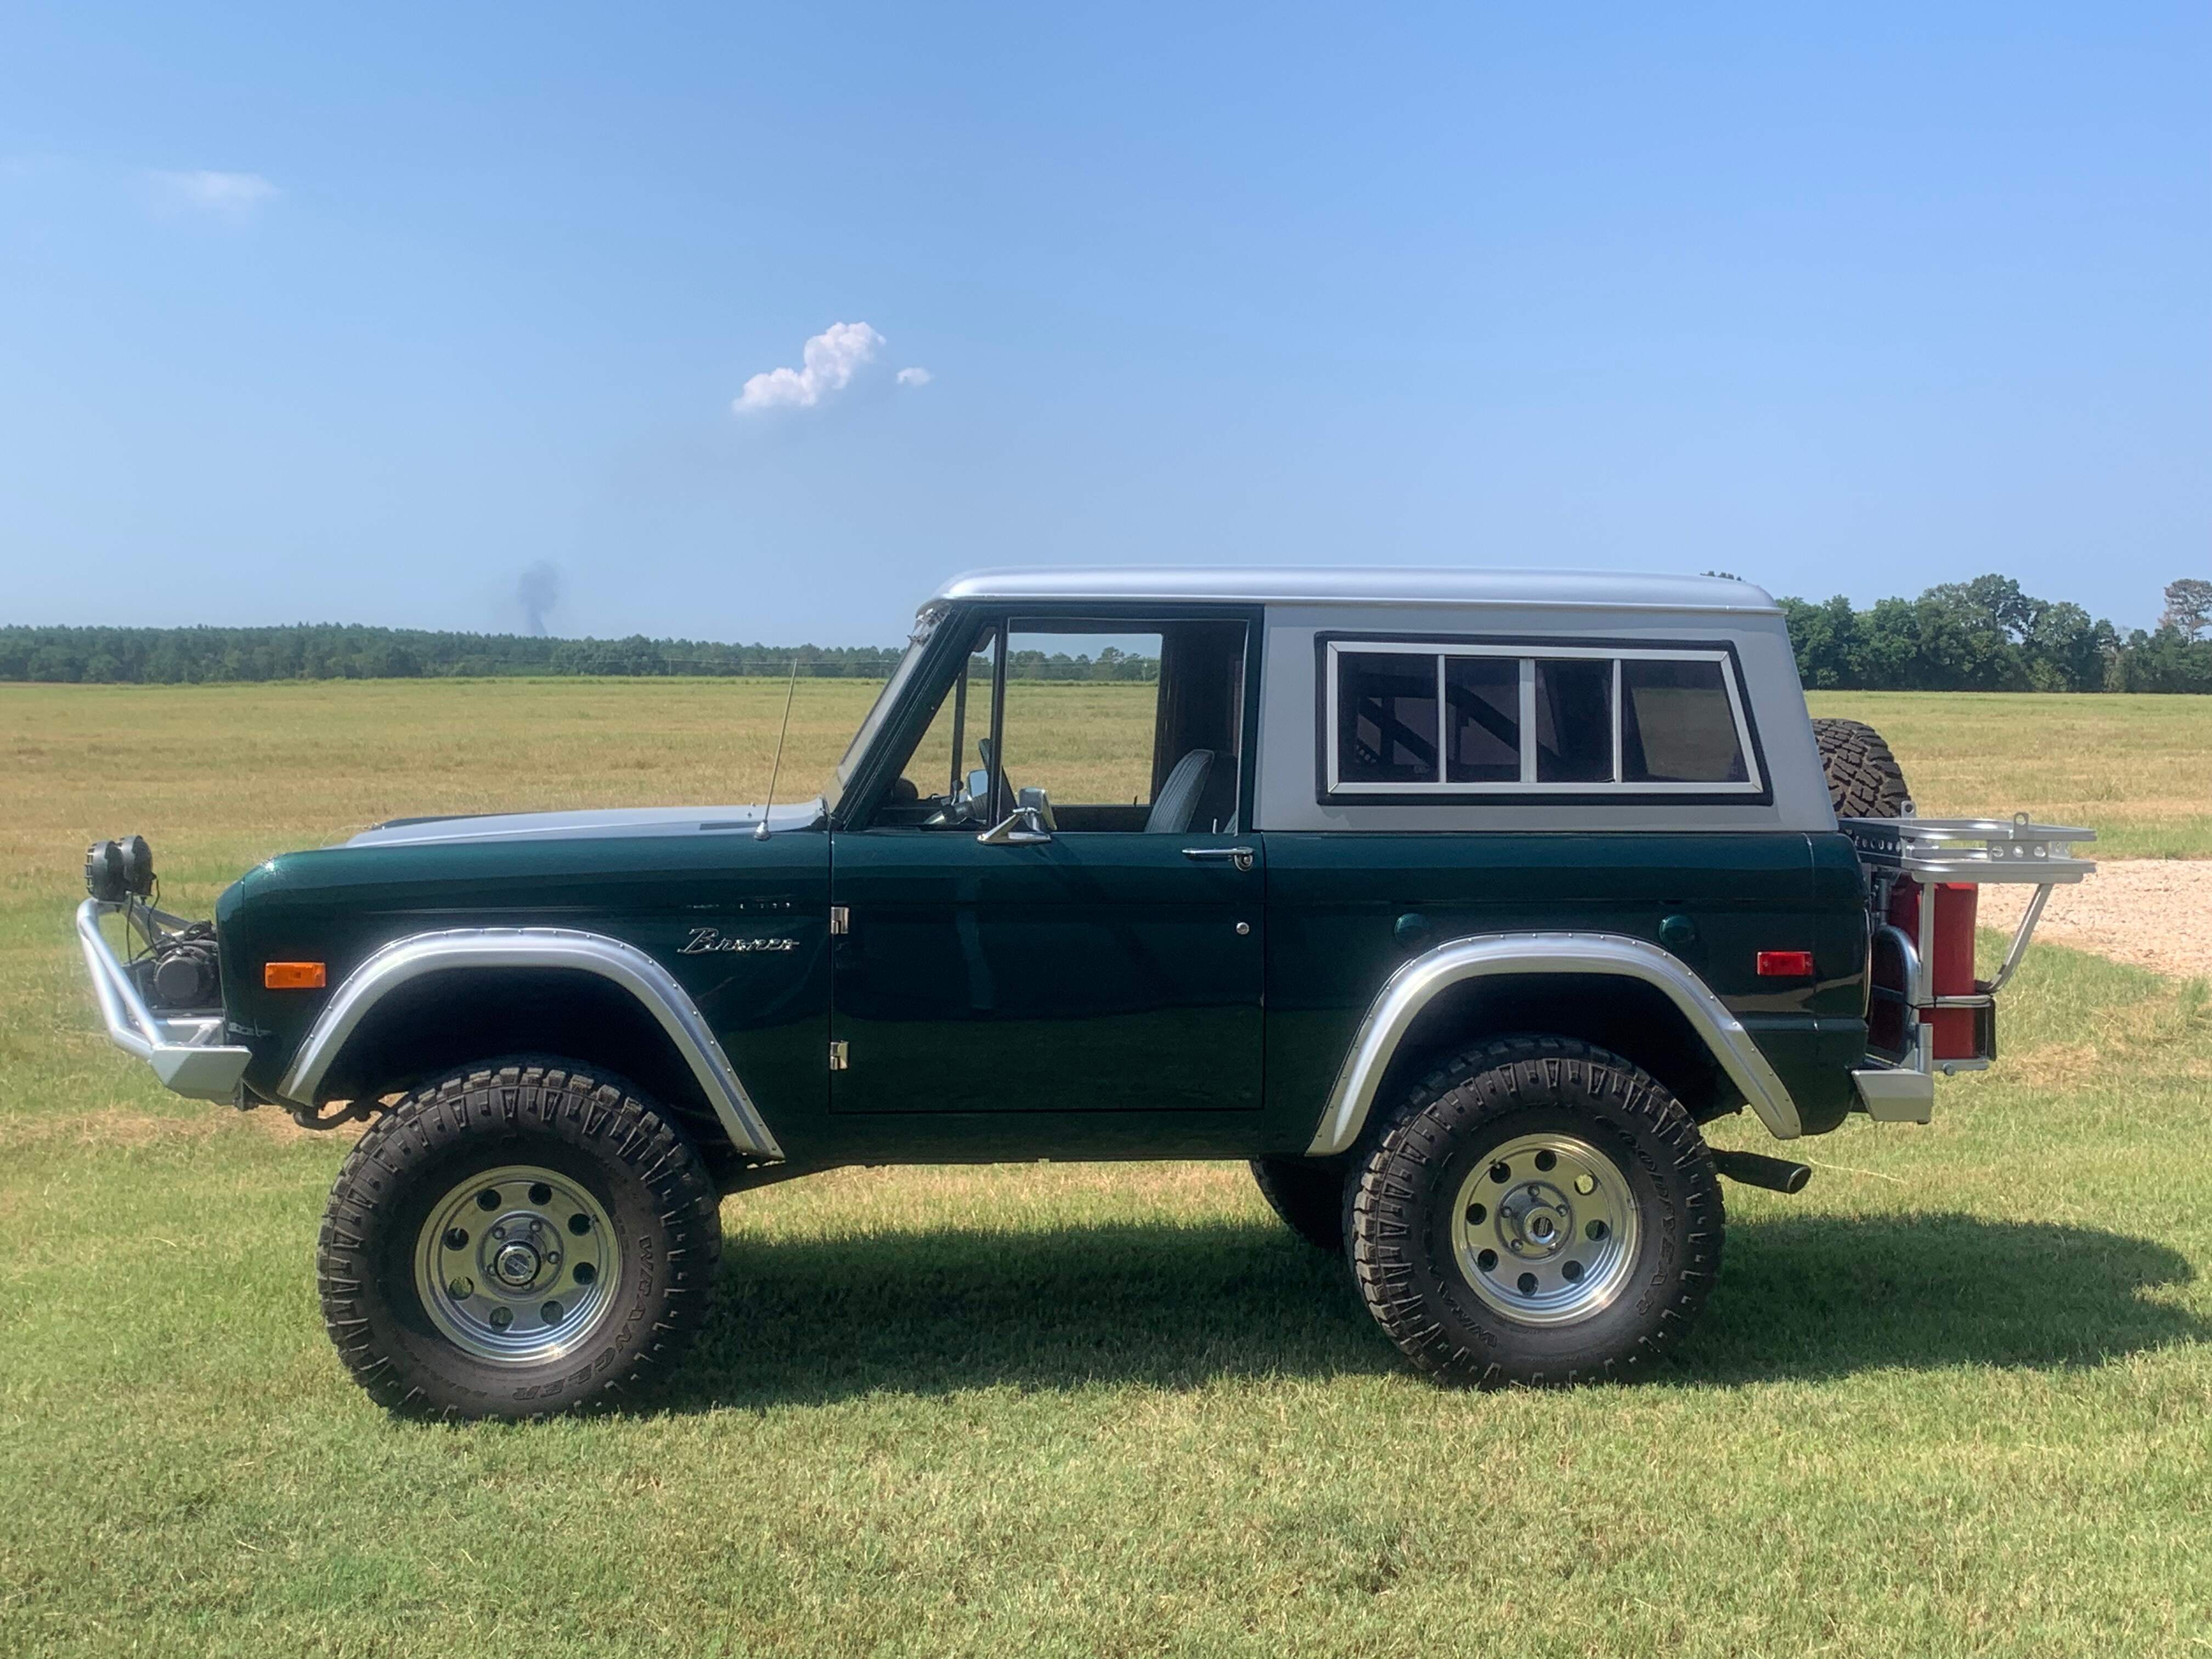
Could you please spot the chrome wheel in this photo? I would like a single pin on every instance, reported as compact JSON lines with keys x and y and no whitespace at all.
{"x":517,"y":1264}
{"x":1546,"y":1230}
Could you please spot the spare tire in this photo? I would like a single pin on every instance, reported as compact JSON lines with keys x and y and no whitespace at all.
{"x":1864,"y":780}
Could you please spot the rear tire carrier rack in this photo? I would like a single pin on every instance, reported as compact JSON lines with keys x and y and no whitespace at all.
{"x":1955,"y":852}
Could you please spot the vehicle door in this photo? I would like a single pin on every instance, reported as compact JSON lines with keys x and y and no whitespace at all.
{"x":1057,"y":909}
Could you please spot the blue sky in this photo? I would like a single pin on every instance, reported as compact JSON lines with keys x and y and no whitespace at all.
{"x":307,"y":315}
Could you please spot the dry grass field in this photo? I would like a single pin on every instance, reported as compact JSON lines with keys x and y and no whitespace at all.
{"x":1951,"y":1399}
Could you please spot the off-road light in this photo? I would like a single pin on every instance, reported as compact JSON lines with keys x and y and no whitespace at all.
{"x":117,"y":870}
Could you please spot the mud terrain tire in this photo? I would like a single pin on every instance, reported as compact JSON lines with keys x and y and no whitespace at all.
{"x":553,"y":1150}
{"x":1582,"y":1283}
{"x":1864,"y":780}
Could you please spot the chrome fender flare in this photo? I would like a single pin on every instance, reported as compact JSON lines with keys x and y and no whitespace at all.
{"x":612,"y":959}
{"x":1418,"y":982}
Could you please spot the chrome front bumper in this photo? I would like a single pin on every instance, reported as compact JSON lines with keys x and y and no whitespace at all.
{"x":184,"y":1051}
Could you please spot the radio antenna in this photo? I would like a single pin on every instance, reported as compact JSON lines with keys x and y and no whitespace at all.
{"x":776,"y":766}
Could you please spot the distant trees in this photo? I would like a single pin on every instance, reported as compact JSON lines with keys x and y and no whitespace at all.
{"x":175,"y":656}
{"x":1985,"y":634}
{"x":2188,"y":607}
{"x":1988,"y":636}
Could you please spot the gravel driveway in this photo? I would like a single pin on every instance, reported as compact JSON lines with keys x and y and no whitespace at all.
{"x":2154,"y":912}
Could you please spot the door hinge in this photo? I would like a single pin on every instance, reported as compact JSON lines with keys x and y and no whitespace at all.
{"x":837,"y":1053}
{"x":841,"y":918}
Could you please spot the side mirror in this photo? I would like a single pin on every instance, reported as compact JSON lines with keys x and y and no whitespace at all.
{"x":1041,"y":803}
{"x":1023,"y":827}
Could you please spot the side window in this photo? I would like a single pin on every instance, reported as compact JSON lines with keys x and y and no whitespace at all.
{"x":1124,"y":726}
{"x":941,"y":784}
{"x":1482,"y":731}
{"x":1386,"y":718}
{"x":1574,"y":720}
{"x":1413,"y":718}
{"x":960,"y":730}
{"x":1676,"y":725}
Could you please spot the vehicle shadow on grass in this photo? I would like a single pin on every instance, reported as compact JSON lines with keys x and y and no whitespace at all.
{"x":811,"y":1321}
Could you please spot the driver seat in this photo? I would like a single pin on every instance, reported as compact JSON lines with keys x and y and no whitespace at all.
{"x":1177,"y":802}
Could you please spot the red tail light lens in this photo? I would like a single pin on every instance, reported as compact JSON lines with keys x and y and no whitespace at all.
{"x":1785,"y":964}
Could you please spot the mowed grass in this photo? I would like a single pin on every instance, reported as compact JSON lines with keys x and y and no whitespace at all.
{"x":2135,"y":769}
{"x":1952,"y":1398}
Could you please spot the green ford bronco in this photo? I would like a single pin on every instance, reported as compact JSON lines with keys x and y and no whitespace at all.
{"x":1455,"y":901}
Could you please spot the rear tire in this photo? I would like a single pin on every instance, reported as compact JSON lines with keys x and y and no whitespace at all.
{"x":1309,"y":1196}
{"x":516,"y":1241}
{"x":1864,"y":780}
{"x":1538,"y":1211}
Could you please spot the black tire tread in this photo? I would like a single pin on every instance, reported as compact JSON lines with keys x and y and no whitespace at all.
{"x":606,"y":1116}
{"x":1490,"y":1079}
{"x":1864,"y":778}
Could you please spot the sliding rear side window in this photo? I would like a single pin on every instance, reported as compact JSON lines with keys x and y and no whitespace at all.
{"x":1414,"y":718}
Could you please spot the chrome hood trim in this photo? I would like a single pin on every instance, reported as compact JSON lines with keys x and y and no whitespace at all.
{"x":594,"y":823}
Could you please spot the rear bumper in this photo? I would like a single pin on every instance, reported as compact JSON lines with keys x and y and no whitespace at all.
{"x":1896,"y":1094}
{"x":184,"y":1051}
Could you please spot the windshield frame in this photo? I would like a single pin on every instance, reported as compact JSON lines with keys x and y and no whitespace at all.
{"x":925,"y":623}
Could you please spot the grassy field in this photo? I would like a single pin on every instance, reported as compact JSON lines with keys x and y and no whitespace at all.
{"x":2132,"y":768}
{"x":1952,"y":1400}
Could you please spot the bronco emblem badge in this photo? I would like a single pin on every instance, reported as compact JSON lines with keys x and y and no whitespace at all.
{"x":703,"y":939}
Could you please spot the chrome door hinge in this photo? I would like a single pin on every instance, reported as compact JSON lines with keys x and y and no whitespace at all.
{"x":837,"y":1053}
{"x":841,"y":918}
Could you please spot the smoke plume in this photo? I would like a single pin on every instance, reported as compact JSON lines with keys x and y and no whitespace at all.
{"x":537,"y":590}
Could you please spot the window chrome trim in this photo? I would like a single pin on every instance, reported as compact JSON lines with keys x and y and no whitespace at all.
{"x":1418,"y":982}
{"x":1334,"y":786}
{"x":526,"y":948}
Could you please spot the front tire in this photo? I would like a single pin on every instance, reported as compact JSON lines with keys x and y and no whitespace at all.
{"x":1538,"y":1211}
{"x":515,"y":1241}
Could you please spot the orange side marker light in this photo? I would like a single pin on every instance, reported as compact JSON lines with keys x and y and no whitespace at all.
{"x":293,"y":975}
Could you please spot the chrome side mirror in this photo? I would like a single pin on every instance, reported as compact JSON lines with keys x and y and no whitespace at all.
{"x":1023,"y":827}
{"x":1036,"y":798}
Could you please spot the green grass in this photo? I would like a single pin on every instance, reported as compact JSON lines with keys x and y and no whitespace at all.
{"x":2137,"y":770}
{"x":1952,"y":1398}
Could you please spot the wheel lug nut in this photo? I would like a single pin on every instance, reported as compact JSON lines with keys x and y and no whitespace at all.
{"x":463,"y":1289}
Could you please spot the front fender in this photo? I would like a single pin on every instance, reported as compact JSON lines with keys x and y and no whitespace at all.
{"x":1416,"y":984}
{"x":623,"y":964}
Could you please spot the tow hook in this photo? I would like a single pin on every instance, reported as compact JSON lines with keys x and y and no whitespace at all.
{"x":1776,"y":1173}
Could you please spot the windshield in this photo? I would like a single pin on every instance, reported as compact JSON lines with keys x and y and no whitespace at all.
{"x":925,"y":624}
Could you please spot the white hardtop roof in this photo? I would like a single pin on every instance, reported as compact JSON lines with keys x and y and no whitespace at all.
{"x":1395,"y":585}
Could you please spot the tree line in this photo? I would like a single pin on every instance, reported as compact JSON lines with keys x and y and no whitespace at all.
{"x":1988,"y":636}
{"x":1982,"y":635}
{"x":305,"y":651}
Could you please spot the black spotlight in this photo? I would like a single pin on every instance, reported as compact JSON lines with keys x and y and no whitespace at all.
{"x":116,"y":870}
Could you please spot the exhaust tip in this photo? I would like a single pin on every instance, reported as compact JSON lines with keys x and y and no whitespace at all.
{"x":1776,"y":1174}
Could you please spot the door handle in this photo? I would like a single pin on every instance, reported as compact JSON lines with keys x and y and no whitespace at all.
{"x":1239,"y":856}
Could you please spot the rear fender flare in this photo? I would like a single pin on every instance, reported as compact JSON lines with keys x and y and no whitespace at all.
{"x":524,"y":949}
{"x":1417,"y":983}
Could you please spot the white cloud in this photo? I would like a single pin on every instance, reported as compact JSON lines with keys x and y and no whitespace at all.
{"x":913,"y":377}
{"x":831,"y":358}
{"x":227,"y":195}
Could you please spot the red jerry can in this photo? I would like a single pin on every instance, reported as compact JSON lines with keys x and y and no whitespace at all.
{"x":1948,"y":969}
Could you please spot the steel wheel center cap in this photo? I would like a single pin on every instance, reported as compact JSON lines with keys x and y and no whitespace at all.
{"x":515,"y":1264}
{"x":1537,"y":1221}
